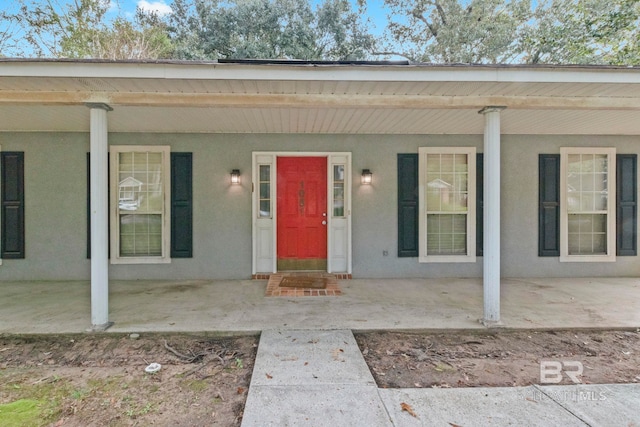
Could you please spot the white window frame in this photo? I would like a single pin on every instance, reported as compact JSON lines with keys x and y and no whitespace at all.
{"x":470,"y":256}
{"x":114,"y":152}
{"x":610,"y":255}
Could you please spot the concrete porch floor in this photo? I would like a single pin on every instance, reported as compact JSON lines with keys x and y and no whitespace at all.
{"x":366,"y":304}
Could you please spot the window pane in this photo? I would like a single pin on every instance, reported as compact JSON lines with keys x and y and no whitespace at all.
{"x":265,"y":173}
{"x":587,"y":203}
{"x":447,"y":183}
{"x":433,"y":198}
{"x":587,"y":234}
{"x":446,"y":234}
{"x":338,"y":190}
{"x":265,"y":208}
{"x":141,"y":201}
{"x":460,"y":163}
{"x":140,"y":235}
{"x":265,"y":191}
{"x":587,"y":182}
{"x":140,"y":186}
{"x":446,"y":192}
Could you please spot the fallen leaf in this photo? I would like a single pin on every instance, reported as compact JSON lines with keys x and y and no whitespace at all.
{"x":240,"y":390}
{"x":454,"y":425}
{"x":269,"y":376}
{"x":409,"y":409}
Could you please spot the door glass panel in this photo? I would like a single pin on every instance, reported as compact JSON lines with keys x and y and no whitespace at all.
{"x":265,"y":191}
{"x":338,"y":191}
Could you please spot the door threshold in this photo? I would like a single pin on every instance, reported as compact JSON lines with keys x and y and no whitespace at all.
{"x":302,"y":271}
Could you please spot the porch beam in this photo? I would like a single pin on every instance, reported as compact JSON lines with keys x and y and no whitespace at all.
{"x":99,"y":147}
{"x":491,"y":250}
{"x":243,"y":100}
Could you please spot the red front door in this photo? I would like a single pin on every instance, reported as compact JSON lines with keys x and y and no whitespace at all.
{"x":302,"y":213}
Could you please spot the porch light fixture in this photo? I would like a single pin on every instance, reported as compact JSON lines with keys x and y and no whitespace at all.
{"x":367,"y":177}
{"x":235,"y":176}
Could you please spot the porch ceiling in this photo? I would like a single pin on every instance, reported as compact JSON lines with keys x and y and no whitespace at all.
{"x":331,"y":99}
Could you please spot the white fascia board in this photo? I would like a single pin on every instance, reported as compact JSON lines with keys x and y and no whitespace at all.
{"x":312,"y":72}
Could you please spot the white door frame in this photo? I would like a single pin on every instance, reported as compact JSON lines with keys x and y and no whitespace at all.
{"x":264,"y":229}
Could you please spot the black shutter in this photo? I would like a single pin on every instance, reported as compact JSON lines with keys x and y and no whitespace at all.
{"x":549,"y":205}
{"x":12,"y":164}
{"x":626,"y":204}
{"x":181,"y":205}
{"x":408,"y":205}
{"x":479,"y":204}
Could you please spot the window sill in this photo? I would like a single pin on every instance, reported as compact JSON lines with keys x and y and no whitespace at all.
{"x":141,"y":260}
{"x":447,"y":259}
{"x":587,"y":258}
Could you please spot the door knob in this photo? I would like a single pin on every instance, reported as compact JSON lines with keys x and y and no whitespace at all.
{"x":324,"y":222}
{"x":324,"y":214}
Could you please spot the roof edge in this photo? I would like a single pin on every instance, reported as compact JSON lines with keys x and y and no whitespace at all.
{"x":293,"y":63}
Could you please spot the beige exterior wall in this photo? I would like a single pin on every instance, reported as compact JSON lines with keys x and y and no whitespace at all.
{"x":55,"y":205}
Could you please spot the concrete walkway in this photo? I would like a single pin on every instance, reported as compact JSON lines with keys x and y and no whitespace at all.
{"x":320,"y":378}
{"x":312,"y":378}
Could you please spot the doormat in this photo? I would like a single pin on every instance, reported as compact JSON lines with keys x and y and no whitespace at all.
{"x":302,"y":285}
{"x":306,"y":282}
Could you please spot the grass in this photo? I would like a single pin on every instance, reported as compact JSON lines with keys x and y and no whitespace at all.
{"x":43,"y":402}
{"x":48,"y":393}
{"x":23,"y":412}
{"x":196,"y":385}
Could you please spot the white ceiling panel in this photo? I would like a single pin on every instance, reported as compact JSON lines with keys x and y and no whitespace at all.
{"x":319,"y":120}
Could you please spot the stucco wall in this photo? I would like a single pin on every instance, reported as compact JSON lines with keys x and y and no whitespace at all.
{"x":55,"y":205}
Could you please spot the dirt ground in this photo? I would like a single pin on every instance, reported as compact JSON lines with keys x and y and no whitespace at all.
{"x":100,"y":380}
{"x":500,"y":359}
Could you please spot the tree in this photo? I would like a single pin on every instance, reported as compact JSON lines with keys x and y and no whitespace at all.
{"x":7,"y":34}
{"x":513,"y":31}
{"x":79,"y":29}
{"x":584,"y":32}
{"x":268,"y":29}
{"x":452,"y":31}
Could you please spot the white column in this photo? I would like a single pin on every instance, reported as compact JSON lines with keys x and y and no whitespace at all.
{"x":99,"y":217}
{"x":491,"y":230}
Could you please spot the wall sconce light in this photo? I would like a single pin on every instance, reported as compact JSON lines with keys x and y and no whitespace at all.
{"x":367,"y":177}
{"x":235,"y":176}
